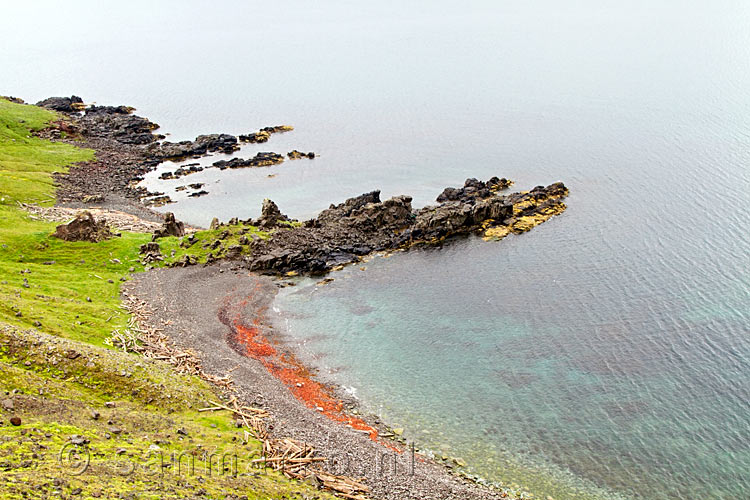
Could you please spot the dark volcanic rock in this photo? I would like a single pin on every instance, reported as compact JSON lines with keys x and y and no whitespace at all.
{"x":233,"y":252}
{"x":151,"y":252}
{"x":109,"y":110}
{"x":296,"y":155}
{"x":474,"y":188}
{"x":182,"y":171}
{"x":64,"y":104}
{"x":255,"y":137}
{"x":218,"y":142}
{"x":277,"y":128}
{"x":118,"y":123}
{"x":83,"y":228}
{"x":264,"y":134}
{"x":270,"y":215}
{"x":127,"y":148}
{"x":200,"y":146}
{"x":345,"y":209}
{"x":364,"y":224}
{"x":171,"y":227}
{"x":150,"y":248}
{"x":262,"y":159}
{"x":158,"y":201}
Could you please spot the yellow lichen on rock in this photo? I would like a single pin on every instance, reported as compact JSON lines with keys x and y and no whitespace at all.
{"x":546,"y":208}
{"x":523,"y":205}
{"x":502,"y":185}
{"x":527,"y":222}
{"x":496,"y":233}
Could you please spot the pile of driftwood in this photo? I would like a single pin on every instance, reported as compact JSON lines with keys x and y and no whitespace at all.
{"x":292,"y":458}
{"x":295,"y":459}
{"x":114,"y":218}
{"x":143,"y":338}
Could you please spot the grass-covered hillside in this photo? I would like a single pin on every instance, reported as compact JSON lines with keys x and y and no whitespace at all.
{"x":79,"y":419}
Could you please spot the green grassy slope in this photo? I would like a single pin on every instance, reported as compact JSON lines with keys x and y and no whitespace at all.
{"x":64,"y":384}
{"x":59,"y":276}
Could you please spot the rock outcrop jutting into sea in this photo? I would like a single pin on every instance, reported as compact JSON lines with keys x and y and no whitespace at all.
{"x":344,"y":233}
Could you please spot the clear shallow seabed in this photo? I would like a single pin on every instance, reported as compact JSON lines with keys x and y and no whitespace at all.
{"x":608,"y":350}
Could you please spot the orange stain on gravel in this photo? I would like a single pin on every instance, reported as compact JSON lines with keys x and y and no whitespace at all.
{"x":296,"y":377}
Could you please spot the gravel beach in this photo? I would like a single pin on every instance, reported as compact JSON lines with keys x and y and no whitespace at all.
{"x":192,"y":305}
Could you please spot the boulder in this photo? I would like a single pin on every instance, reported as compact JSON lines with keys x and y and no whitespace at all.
{"x":270,"y":215}
{"x":151,"y":252}
{"x":150,"y":248}
{"x":233,"y":252}
{"x":171,"y":227}
{"x":83,"y":228}
{"x":336,"y":212}
{"x":185,"y":260}
{"x":93,"y":198}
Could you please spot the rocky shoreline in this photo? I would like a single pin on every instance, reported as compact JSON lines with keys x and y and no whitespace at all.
{"x":127,"y":148}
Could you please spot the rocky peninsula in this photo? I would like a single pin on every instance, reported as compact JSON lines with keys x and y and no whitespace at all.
{"x":128,"y":147}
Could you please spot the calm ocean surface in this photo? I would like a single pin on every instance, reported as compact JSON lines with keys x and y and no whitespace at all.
{"x":604,"y":354}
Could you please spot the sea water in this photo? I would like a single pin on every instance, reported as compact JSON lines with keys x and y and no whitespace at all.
{"x":606,"y":353}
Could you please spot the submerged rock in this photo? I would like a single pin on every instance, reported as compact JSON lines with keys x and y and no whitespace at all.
{"x":157,"y":201}
{"x":256,"y":137}
{"x":264,"y":134}
{"x":278,"y":128}
{"x":296,"y":155}
{"x":182,"y":171}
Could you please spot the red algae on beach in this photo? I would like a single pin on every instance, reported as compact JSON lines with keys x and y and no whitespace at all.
{"x":291,"y":372}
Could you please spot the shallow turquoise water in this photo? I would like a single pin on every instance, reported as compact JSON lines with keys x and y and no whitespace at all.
{"x":643,"y":394}
{"x":608,"y":348}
